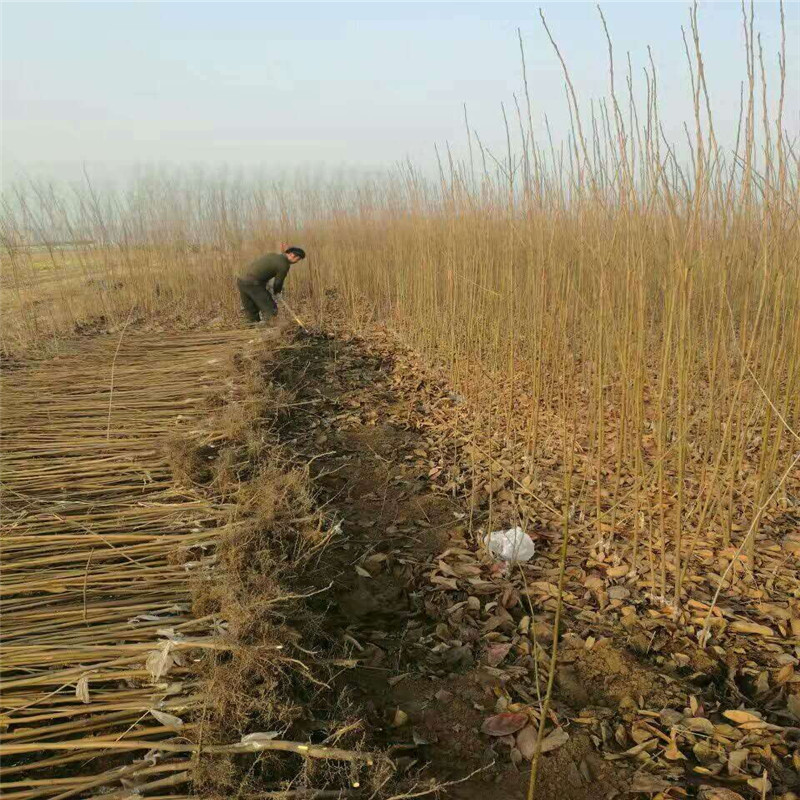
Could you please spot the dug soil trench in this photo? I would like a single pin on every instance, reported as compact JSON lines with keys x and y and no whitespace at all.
{"x":427,"y":660}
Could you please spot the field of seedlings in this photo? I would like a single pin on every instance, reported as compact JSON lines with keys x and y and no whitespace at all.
{"x":253,"y":562}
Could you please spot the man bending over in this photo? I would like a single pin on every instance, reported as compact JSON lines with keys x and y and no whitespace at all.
{"x":253,"y":280}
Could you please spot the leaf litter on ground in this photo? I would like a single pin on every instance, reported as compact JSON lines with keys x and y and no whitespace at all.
{"x":726,"y":711}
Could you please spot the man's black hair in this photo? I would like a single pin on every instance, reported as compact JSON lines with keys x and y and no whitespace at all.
{"x":297,"y":251}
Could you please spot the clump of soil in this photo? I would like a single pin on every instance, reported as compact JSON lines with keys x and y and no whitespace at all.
{"x":608,"y":675}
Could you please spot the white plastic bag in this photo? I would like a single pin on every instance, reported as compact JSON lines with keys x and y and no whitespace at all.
{"x":511,"y":545}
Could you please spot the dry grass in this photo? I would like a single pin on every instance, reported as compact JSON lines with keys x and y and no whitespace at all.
{"x":602,"y":289}
{"x":622,"y":322}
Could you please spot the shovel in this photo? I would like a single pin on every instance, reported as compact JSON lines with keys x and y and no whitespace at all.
{"x":293,"y":315}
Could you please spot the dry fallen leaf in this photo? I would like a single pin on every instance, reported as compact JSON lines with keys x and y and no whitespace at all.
{"x":526,"y":741}
{"x":158,"y":662}
{"x":618,"y":572}
{"x":633,"y":751}
{"x":169,"y":720}
{"x":735,"y":760}
{"x":793,"y":704}
{"x":740,"y":626}
{"x":400,"y":718}
{"x":447,"y":583}
{"x":703,"y":752}
{"x":82,"y":689}
{"x":646,"y":783}
{"x":495,"y":653}
{"x":762,"y":785}
{"x":673,"y":754}
{"x":619,"y":592}
{"x":785,"y":674}
{"x":554,"y":740}
{"x":669,"y":717}
{"x":700,"y":725}
{"x":762,"y":682}
{"x":740,"y":717}
{"x":504,"y":724}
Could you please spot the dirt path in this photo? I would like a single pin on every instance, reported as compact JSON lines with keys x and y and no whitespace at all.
{"x":424,"y":678}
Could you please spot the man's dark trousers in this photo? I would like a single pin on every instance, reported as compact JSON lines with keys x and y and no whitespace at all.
{"x":256,"y":297}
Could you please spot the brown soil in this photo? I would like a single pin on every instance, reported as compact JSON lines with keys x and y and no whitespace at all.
{"x":607,"y":674}
{"x":346,"y":427}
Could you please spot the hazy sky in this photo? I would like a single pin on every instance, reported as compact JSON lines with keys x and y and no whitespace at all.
{"x":360,"y":84}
